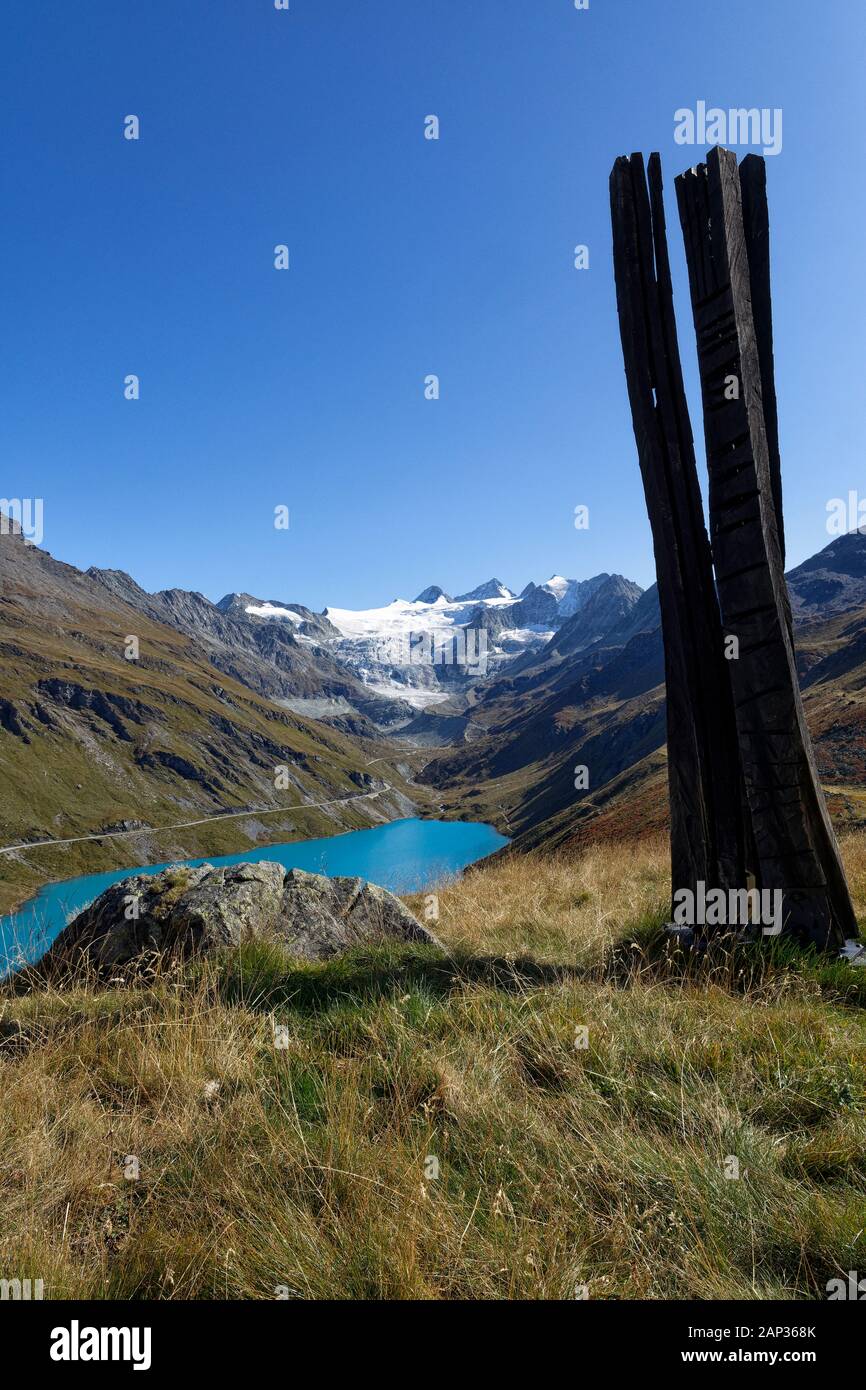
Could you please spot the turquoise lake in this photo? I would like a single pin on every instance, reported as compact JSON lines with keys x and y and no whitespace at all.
{"x":405,"y":856}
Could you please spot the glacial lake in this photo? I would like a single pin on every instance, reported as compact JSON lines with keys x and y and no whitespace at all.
{"x":405,"y":856}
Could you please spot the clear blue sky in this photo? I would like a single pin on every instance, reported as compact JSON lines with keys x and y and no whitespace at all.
{"x":408,"y":257}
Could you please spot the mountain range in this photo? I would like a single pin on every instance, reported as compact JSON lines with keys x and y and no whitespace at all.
{"x":364,"y":711}
{"x":93,"y":739}
{"x":473,"y":635}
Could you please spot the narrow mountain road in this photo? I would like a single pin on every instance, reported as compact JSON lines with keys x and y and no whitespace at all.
{"x":206,"y":820}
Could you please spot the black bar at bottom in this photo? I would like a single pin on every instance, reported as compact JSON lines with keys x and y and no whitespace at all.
{"x":60,"y":1338}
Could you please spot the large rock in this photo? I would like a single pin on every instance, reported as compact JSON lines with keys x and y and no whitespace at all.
{"x":183,"y":910}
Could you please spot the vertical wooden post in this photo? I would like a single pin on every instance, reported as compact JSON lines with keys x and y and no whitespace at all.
{"x":756,"y":230}
{"x":707,"y":830}
{"x":795,"y":844}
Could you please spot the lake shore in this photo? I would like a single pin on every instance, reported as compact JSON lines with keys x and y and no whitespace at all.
{"x":405,"y":856}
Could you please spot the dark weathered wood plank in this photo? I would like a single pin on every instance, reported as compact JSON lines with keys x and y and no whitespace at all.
{"x":706,"y":821}
{"x":795,"y":845}
{"x":756,"y":229}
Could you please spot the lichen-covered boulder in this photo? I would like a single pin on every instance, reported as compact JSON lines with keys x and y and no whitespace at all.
{"x":229,"y":905}
{"x":182,"y":910}
{"x":323,"y":916}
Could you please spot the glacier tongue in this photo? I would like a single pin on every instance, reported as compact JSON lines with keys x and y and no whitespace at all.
{"x":434,"y":647}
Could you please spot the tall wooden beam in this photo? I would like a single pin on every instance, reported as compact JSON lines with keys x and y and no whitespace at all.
{"x":707,"y":830}
{"x":794,"y":840}
{"x":756,"y":230}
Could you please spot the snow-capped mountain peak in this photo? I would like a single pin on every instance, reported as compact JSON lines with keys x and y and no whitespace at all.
{"x":273,"y":610}
{"x":305,"y":625}
{"x":572,"y":594}
{"x":493,"y":588}
{"x":557,"y":584}
{"x":433,"y":594}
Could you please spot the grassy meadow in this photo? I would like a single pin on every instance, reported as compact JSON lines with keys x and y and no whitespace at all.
{"x":552,"y":1105}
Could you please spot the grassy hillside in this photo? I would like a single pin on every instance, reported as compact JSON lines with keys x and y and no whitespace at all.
{"x":430,"y":1130}
{"x":91,"y":741}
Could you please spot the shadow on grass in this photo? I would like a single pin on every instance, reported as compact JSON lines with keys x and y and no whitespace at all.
{"x":260,"y":976}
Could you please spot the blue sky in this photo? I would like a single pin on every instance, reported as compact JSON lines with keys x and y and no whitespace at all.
{"x":408,"y":257}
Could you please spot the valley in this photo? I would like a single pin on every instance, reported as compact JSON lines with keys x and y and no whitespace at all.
{"x":253,"y":721}
{"x":93,"y":744}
